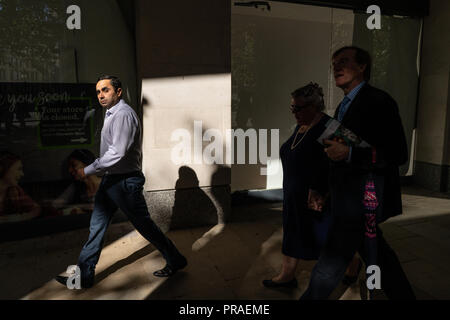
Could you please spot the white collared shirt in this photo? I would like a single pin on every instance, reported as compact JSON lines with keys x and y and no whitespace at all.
{"x":120,"y":147}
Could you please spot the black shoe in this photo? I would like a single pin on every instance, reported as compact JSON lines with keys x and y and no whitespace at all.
{"x":349,"y":280}
{"x":85,"y":284}
{"x":168,"y":271}
{"x":62,"y":280}
{"x":272,"y":284}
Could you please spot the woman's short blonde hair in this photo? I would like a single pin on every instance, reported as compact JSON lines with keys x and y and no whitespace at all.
{"x":312,"y":93}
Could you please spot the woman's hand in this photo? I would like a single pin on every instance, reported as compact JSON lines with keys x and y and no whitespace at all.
{"x":315,"y":200}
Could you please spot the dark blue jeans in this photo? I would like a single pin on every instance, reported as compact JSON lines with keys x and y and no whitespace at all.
{"x":122,"y":191}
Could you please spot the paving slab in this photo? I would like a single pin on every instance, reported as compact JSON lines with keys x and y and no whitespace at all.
{"x":226,"y":261}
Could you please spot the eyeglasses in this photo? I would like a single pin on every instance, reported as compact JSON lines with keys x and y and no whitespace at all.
{"x":297,"y":108}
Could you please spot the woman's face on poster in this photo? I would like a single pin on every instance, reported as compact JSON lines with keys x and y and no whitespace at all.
{"x":14,"y":173}
{"x":75,"y":164}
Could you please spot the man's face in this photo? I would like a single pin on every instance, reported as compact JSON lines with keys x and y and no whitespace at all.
{"x":107,"y":96}
{"x":347,"y":72}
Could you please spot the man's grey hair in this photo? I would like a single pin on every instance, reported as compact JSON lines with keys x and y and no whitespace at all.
{"x":312,"y":93}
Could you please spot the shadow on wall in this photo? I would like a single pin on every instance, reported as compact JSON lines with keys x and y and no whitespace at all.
{"x":195,"y":206}
{"x":192,"y":206}
{"x":145,"y":103}
{"x":221,"y":191}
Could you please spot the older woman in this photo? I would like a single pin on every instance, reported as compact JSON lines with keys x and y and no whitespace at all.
{"x":305,"y":181}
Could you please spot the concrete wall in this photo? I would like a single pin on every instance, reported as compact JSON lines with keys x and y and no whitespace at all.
{"x":433,"y":125}
{"x":104,"y":45}
{"x":184,"y":71}
{"x":273,"y":53}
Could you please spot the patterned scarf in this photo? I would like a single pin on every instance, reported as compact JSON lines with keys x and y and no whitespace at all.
{"x":370,"y":204}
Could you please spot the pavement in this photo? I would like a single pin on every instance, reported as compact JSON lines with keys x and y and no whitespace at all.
{"x":226,"y":261}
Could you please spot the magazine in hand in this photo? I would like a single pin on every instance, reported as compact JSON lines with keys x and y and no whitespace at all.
{"x":334,"y":130}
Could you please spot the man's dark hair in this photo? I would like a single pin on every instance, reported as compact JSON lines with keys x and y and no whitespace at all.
{"x":115,"y":82}
{"x":361,"y":57}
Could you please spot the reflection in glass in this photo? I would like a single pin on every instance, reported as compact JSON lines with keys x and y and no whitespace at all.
{"x":31,"y":37}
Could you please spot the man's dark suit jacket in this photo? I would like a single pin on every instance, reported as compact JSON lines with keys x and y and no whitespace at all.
{"x":373,"y":115}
